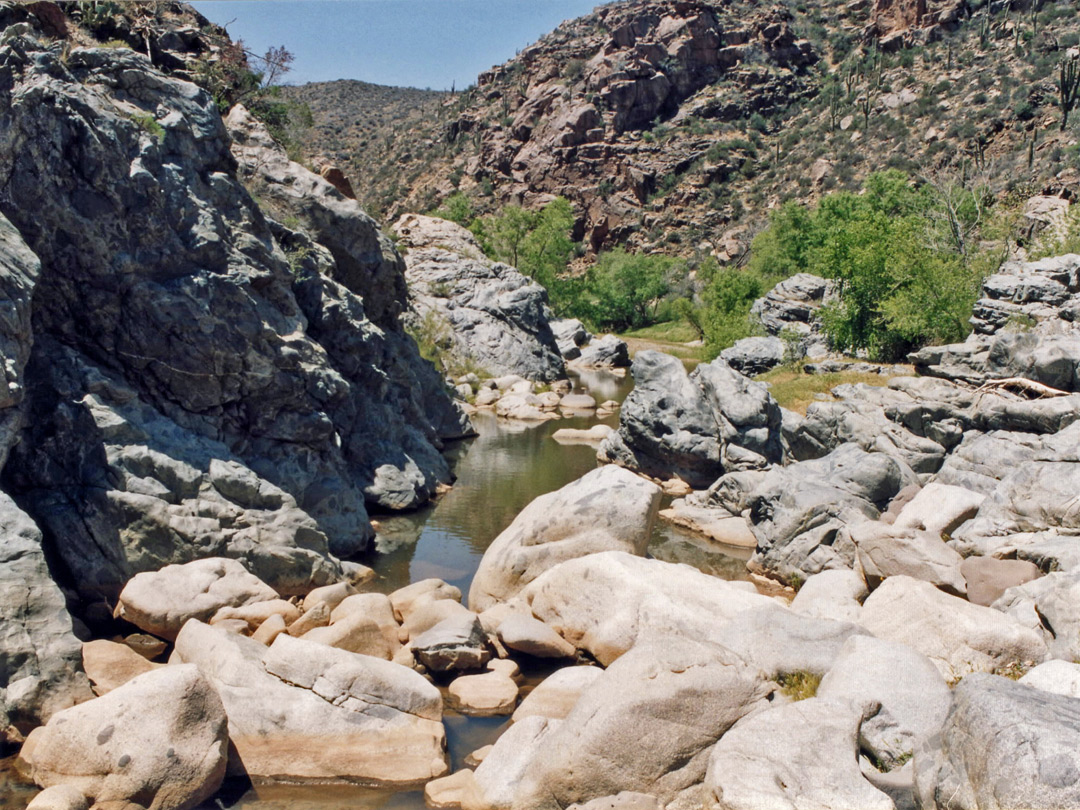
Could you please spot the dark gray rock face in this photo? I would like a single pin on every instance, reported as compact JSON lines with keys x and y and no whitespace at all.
{"x":799,"y":513}
{"x":570,"y":335}
{"x":1003,"y":744}
{"x":490,"y":313}
{"x":606,"y":351}
{"x":792,"y":306}
{"x":19,"y":271}
{"x":754,"y":355}
{"x":1024,"y":326}
{"x":695,"y":426}
{"x":40,"y":659}
{"x":172,"y":329}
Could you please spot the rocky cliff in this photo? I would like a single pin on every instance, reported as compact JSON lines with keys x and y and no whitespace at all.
{"x":677,"y":126}
{"x":185,"y":377}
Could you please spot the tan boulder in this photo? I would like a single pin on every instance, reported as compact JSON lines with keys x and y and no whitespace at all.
{"x":608,"y":509}
{"x":557,"y":694}
{"x":300,"y":711}
{"x":109,"y":664}
{"x":160,"y":602}
{"x":487,"y":695}
{"x":160,"y":739}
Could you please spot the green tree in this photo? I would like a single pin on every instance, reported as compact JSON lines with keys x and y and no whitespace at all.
{"x":623,"y":289}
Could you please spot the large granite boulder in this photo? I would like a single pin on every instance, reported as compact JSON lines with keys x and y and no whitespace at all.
{"x":755,"y":355}
{"x":804,"y":754}
{"x":159,"y":741}
{"x":606,"y":351}
{"x":957,"y":636}
{"x":1003,"y":744}
{"x":1049,"y":604}
{"x":607,"y":509}
{"x":161,"y":602}
{"x":695,"y":426}
{"x":493,"y":316}
{"x":791,"y":307}
{"x":121,"y":180}
{"x":606,"y":603}
{"x":646,"y":725}
{"x":305,"y":711}
{"x":41,"y":668}
{"x":1024,"y":326}
{"x":913,"y":695}
{"x":800,"y":513}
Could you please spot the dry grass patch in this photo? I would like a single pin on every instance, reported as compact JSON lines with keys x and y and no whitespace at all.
{"x":795,"y":390}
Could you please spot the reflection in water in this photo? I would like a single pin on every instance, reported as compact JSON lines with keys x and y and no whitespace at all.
{"x":499,"y":472}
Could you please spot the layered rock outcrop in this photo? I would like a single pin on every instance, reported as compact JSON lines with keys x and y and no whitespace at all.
{"x":695,"y":426}
{"x":491,"y":315}
{"x":204,"y":381}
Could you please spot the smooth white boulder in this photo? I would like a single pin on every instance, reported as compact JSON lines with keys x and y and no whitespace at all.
{"x":160,"y":602}
{"x":603,"y":603}
{"x":607,"y":509}
{"x":304,"y":711}
{"x":802,"y":755}
{"x":957,"y":636}
{"x":160,"y":740}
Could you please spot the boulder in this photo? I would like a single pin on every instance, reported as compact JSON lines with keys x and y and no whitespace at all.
{"x":695,"y":426}
{"x":988,"y":578}
{"x":593,"y":435}
{"x":1050,"y":605}
{"x":1003,"y":744}
{"x":162,"y":601}
{"x":606,"y":351}
{"x":356,"y":633}
{"x":487,"y":695}
{"x":258,"y":612}
{"x":304,"y":711}
{"x":1056,"y":676}
{"x":269,"y":630}
{"x":490,"y":314}
{"x":835,"y":594}
{"x":957,"y":636}
{"x":570,"y":335}
{"x":317,"y":615}
{"x":716,"y":524}
{"x":804,"y":754}
{"x":577,"y":402}
{"x":41,"y":669}
{"x":607,"y":509}
{"x":791,"y":307}
{"x":448,"y":792}
{"x":939,"y":508}
{"x":855,"y":420}
{"x":913,"y":695}
{"x":646,"y":725}
{"x":606,"y":603}
{"x":160,"y":741}
{"x":797,"y":512}
{"x":405,"y":599}
{"x":558,"y":693}
{"x":59,"y":797}
{"x":497,"y":780}
{"x":755,"y":355}
{"x":109,"y":665}
{"x":530,"y":636}
{"x":453,"y":644}
{"x":779,"y":641}
{"x":886,"y":551}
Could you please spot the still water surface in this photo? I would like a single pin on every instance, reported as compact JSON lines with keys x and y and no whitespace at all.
{"x":498,"y":473}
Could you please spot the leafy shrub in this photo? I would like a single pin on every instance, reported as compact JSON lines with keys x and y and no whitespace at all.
{"x":623,"y":290}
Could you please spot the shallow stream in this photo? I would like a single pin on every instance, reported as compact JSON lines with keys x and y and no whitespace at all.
{"x":498,"y":473}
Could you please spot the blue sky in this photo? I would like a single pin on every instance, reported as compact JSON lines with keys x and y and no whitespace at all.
{"x":410,"y":43}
